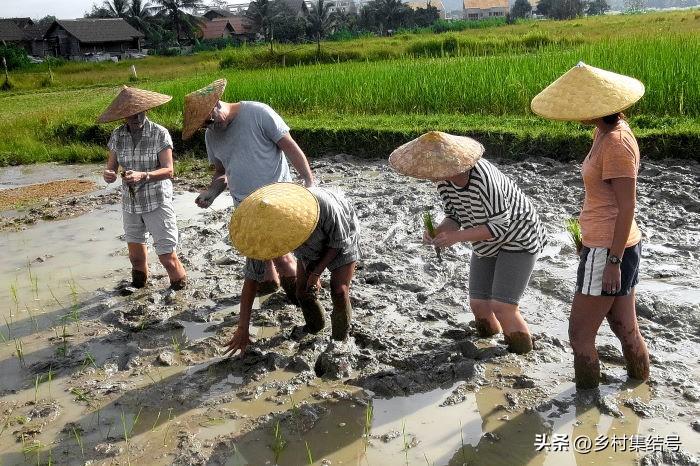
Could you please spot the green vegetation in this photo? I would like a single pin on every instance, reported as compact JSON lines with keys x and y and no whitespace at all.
{"x":477,"y":82}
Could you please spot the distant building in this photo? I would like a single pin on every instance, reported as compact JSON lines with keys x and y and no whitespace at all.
{"x":424,"y":4}
{"x":233,"y":27}
{"x":341,"y":6}
{"x":22,"y":32}
{"x":74,"y":38}
{"x":480,"y":9}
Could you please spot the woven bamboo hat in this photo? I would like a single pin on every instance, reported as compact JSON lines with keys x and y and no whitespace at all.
{"x":273,"y":220}
{"x":131,"y":101}
{"x":586,"y":93}
{"x":199,"y":104}
{"x":436,"y":156}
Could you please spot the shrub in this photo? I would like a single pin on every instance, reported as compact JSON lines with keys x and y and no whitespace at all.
{"x":15,"y":57}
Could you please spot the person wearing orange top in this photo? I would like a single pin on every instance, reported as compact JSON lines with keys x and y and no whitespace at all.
{"x":609,"y":259}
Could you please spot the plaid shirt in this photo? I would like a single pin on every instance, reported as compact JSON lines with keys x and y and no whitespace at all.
{"x":144,"y":196}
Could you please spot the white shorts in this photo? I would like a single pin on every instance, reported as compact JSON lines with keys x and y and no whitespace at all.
{"x":160,"y":223}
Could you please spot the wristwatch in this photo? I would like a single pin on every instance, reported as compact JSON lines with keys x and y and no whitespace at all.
{"x":613,"y":259}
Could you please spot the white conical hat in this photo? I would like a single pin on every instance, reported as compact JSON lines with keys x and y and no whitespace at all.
{"x":586,"y":93}
{"x":436,"y":156}
{"x":131,"y":101}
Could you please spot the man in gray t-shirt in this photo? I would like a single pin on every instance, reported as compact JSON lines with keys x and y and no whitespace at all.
{"x":248,"y":144}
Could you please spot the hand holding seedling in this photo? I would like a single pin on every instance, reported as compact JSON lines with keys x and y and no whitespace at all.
{"x":131,"y":188}
{"x":110,"y":176}
{"x":313,"y":282}
{"x":240,"y":341}
{"x":132,"y":177}
{"x":429,"y":233}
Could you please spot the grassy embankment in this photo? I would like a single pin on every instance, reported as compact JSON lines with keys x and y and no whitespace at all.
{"x":481,"y":85}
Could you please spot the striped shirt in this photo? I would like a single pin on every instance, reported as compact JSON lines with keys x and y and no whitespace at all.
{"x":490,"y":198}
{"x":142,"y":157}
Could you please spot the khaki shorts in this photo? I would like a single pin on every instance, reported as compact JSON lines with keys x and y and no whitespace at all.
{"x":160,"y":223}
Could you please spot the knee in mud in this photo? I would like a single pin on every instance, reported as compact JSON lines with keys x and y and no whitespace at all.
{"x":587,"y":372}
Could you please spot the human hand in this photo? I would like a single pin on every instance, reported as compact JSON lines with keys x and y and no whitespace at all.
{"x":612,"y":278}
{"x":427,"y":239}
{"x":133,"y":177}
{"x":309,"y":183}
{"x":205,"y":199}
{"x":110,"y":176}
{"x":240,"y":341}
{"x":313,"y":281}
{"x":446,"y":239}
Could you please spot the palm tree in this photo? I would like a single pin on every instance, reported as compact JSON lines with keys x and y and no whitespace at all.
{"x":175,"y":9}
{"x":388,"y":13}
{"x":262,"y":14}
{"x":139,"y":15}
{"x":320,"y":21}
{"x":116,"y":8}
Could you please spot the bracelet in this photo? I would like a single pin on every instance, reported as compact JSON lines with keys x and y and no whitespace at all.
{"x":148,"y":177}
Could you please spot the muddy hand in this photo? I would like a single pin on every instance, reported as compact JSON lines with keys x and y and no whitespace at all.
{"x":313,"y":283}
{"x":205,"y":199}
{"x":240,"y":341}
{"x":132,"y":177}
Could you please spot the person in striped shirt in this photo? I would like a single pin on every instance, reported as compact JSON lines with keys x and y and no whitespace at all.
{"x":485,"y":208}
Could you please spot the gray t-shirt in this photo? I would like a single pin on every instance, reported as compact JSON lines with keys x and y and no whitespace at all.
{"x":247,"y":148}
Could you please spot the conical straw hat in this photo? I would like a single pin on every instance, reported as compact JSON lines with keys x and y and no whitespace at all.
{"x":131,"y":101}
{"x":199,"y":104}
{"x":586,"y":93}
{"x":436,"y":156}
{"x":273,"y":220}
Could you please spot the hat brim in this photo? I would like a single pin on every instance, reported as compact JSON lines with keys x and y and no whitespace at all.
{"x":132,"y":101}
{"x":198,"y":106}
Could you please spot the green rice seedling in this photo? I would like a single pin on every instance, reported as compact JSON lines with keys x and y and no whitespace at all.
{"x":81,"y":395}
{"x":79,"y":441}
{"x":573,"y":228}
{"x":19,"y":350}
{"x":406,"y":443}
{"x":428,"y":222}
{"x":9,"y":326}
{"x":32,"y":318}
{"x":13,"y":295}
{"x":278,"y":442}
{"x":309,"y":458}
{"x":50,"y":377}
{"x":167,"y":427}
{"x":36,"y":388}
{"x":88,"y":360}
{"x":3,"y":337}
{"x":176,"y":345}
{"x":155,"y":423}
{"x":135,"y":421}
{"x":75,"y":307}
{"x":54,"y":296}
{"x":126,"y":438}
{"x":369,"y":414}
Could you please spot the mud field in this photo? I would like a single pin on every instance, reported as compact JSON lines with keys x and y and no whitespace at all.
{"x":95,"y":374}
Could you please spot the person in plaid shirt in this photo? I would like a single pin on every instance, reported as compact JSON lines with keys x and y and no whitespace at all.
{"x":144,"y":150}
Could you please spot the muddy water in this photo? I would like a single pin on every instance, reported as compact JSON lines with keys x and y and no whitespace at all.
{"x":140,"y":378}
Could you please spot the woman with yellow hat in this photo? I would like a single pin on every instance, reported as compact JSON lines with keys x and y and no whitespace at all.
{"x":144,"y":150}
{"x":485,"y":208}
{"x":609,"y":260}
{"x":320,"y":227}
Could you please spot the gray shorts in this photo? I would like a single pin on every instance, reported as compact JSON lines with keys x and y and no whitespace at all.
{"x":502,"y":278}
{"x":160,"y":223}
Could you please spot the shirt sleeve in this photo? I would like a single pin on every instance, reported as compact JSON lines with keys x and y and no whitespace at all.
{"x":165,"y":141}
{"x":619,"y":158}
{"x":449,"y":210}
{"x":273,"y":126}
{"x":496,"y":207}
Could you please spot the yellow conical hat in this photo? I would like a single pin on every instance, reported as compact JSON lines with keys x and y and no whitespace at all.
{"x":131,"y":101}
{"x":436,"y":156}
{"x":274,"y":220}
{"x":199,"y":104}
{"x":586,"y":93}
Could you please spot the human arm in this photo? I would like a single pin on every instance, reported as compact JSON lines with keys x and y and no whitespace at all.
{"x":217,"y":185}
{"x":297,"y":157}
{"x":314,"y":270}
{"x":111,"y":167}
{"x":448,"y":238}
{"x":241,"y":337}
{"x":624,"y":190}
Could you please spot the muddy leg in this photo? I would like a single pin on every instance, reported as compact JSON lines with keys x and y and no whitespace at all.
{"x":587,"y":313}
{"x":486,"y":323}
{"x":515,"y":329}
{"x":623,"y":322}
{"x":176,"y":272}
{"x":139,"y":264}
{"x":286,"y":267}
{"x":340,"y":295}
{"x":308,"y":301}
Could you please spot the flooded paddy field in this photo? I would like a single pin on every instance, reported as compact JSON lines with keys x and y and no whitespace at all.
{"x":93,"y":375}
